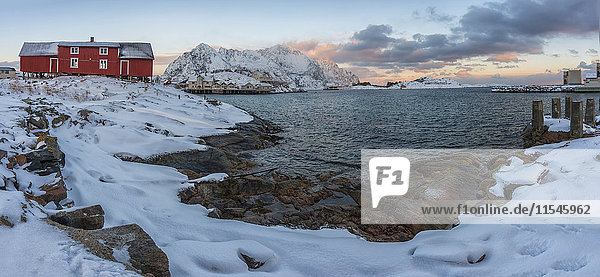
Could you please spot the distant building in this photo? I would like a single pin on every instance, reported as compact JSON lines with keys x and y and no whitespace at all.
{"x":206,"y":85}
{"x":572,"y":77}
{"x":130,"y":59}
{"x":7,"y":72}
{"x":262,"y":77}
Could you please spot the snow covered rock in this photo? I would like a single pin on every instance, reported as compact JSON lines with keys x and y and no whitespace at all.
{"x":88,"y":218}
{"x":290,"y":69}
{"x":129,"y":245}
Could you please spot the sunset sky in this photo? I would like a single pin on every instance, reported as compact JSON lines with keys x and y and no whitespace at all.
{"x":506,"y":41}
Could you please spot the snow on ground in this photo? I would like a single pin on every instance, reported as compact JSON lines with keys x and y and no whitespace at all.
{"x":201,"y":246}
{"x":564,"y":125}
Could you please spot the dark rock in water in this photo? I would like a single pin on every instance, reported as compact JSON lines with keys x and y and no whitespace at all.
{"x":203,"y":162}
{"x":129,"y":245}
{"x":253,"y":135}
{"x":89,"y":218}
{"x":143,"y":252}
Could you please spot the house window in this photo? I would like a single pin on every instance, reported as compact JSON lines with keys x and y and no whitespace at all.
{"x":74,"y":50}
{"x":74,"y":63}
{"x":104,"y":51}
{"x":103,"y":64}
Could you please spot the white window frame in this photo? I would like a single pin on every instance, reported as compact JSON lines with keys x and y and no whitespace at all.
{"x":76,"y":60}
{"x":103,"y":53}
{"x":105,"y":62}
{"x":74,"y":51}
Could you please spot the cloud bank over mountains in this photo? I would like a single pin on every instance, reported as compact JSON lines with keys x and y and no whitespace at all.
{"x":497,"y":32}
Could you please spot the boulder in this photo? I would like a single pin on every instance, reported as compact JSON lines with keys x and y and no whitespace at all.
{"x":45,"y":161}
{"x":129,"y":245}
{"x":55,"y":192}
{"x":89,"y":218}
{"x":141,"y":251}
{"x":37,"y":122}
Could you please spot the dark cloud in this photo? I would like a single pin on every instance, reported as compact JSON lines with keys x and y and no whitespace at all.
{"x":591,"y":51}
{"x":431,"y":14}
{"x":573,"y":52}
{"x":501,"y":31}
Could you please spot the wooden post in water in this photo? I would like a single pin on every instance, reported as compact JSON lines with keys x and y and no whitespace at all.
{"x":568,"y":101}
{"x":590,"y":112}
{"x":537,"y":121}
{"x":556,"y":109}
{"x":576,"y":119}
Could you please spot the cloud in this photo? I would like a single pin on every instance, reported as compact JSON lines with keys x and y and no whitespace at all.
{"x":573,"y":52}
{"x":504,"y":58}
{"x":501,"y":31}
{"x":506,"y":66}
{"x":431,"y":14}
{"x":591,"y":51}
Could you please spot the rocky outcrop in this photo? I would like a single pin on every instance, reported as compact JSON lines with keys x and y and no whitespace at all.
{"x":139,"y":250}
{"x":127,"y":244}
{"x":220,"y":156}
{"x":278,"y":199}
{"x":532,"y":137}
{"x":89,"y":218}
{"x":253,"y":135}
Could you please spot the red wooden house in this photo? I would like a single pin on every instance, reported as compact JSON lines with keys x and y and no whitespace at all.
{"x":131,"y":59}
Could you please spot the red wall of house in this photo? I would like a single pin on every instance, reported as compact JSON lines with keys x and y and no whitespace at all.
{"x":140,"y":67}
{"x":36,"y":64}
{"x":89,"y":60}
{"x":89,"y":63}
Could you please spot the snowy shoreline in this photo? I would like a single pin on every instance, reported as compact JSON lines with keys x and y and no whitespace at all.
{"x":137,"y":119}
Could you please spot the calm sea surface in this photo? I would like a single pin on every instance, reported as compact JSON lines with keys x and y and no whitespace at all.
{"x":327,"y":130}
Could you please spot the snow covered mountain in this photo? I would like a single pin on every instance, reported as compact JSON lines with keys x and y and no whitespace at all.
{"x":289,"y":68}
{"x":336,"y":75}
{"x":428,"y":82}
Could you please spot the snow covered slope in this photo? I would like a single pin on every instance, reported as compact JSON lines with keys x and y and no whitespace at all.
{"x":198,"y":245}
{"x":280,"y":62}
{"x":428,"y":82}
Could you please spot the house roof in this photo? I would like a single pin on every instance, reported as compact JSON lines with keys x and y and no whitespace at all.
{"x":88,"y":44}
{"x":39,"y":49}
{"x":7,"y":68}
{"x":136,"y":50}
{"x":127,"y":50}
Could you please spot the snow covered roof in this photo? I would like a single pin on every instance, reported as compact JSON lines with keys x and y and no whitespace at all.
{"x":136,"y":50}
{"x":39,"y":49}
{"x":128,"y":50}
{"x":7,"y":68}
{"x":88,"y":44}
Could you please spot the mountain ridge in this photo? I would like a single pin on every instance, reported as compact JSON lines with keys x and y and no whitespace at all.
{"x":282,"y":63}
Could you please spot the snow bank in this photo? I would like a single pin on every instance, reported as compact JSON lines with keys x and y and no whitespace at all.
{"x":200,"y":245}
